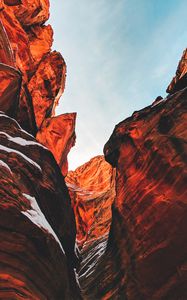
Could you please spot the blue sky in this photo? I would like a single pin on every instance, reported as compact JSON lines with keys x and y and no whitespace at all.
{"x":120,"y":56}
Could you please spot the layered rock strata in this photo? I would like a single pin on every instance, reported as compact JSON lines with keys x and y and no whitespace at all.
{"x":92,"y":191}
{"x":146,"y":252}
{"x":32,"y":76}
{"x":150,"y":212}
{"x":37,"y":224}
{"x":58,"y":135}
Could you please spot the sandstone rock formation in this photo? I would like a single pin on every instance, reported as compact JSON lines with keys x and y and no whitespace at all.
{"x":58,"y":135}
{"x":150,"y":212}
{"x":37,"y":224}
{"x":130,"y":213}
{"x":28,"y":65}
{"x":180,"y":80}
{"x":92,"y":191}
{"x":146,"y":252}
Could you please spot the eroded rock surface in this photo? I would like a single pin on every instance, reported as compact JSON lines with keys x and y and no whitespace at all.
{"x":92,"y":191}
{"x":37,"y":221}
{"x":26,"y":45}
{"x":58,"y":135}
{"x":145,"y":256}
{"x":180,"y":80}
{"x":37,"y":224}
{"x":32,"y":76}
{"x":150,"y":212}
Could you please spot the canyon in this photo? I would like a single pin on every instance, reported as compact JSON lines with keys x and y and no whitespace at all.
{"x":115,"y":228}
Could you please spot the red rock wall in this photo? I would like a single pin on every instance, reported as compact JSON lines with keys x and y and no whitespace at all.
{"x":92,"y":191}
{"x":150,"y":212}
{"x":31,"y":66}
{"x":37,"y":225}
{"x":146,"y":252}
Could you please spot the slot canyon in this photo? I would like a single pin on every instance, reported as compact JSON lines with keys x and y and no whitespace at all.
{"x":116,"y":227}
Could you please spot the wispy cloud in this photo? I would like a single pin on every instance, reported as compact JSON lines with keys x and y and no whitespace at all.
{"x":120,"y":55}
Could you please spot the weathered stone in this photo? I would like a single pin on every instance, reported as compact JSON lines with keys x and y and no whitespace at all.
{"x":92,"y":191}
{"x":50,"y":82}
{"x":58,"y":135}
{"x":180,"y":80}
{"x":37,"y":221}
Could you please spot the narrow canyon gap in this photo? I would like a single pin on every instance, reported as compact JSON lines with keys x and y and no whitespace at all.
{"x":115,"y":228}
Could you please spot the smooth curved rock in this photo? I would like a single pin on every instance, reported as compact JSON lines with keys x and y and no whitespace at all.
{"x":147,"y":243}
{"x":11,"y":80}
{"x":15,"y":33}
{"x":37,"y":221}
{"x":6,"y":53}
{"x":92,"y":191}
{"x":58,"y":135}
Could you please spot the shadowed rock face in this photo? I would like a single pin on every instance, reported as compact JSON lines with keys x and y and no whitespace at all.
{"x":150,"y":212}
{"x":145,"y":255}
{"x":92,"y":191}
{"x":180,"y":80}
{"x":37,"y":225}
{"x":137,"y":251}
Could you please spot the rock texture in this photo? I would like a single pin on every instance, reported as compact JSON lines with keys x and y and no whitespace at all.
{"x":180,"y":80}
{"x":58,"y":135}
{"x":149,"y":221}
{"x":92,"y":191}
{"x":32,"y":76}
{"x":37,"y":224}
{"x":145,"y":256}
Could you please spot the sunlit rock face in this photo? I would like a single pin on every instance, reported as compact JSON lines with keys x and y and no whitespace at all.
{"x":32,"y":76}
{"x":26,"y":45}
{"x":92,"y":191}
{"x":37,"y":221}
{"x":180,"y":80}
{"x":58,"y":135}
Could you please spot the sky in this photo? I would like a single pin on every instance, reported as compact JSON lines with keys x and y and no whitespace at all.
{"x":120,"y":56}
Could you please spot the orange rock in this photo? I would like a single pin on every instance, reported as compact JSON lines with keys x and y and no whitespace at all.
{"x":92,"y":191}
{"x":15,"y":33}
{"x":50,"y":82}
{"x":58,"y":135}
{"x":32,"y":12}
{"x":6,"y":52}
{"x":145,"y":256}
{"x":40,"y":42}
{"x":10,"y":79}
{"x":150,"y":212}
{"x":37,"y":225}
